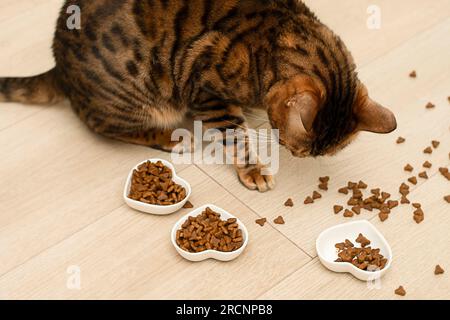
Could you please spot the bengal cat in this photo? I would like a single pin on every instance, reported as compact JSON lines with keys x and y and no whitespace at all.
{"x":136,"y":68}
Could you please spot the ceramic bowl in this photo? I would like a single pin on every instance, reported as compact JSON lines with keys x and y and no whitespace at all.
{"x":157,"y":209}
{"x":209,"y":254}
{"x":325,"y":246}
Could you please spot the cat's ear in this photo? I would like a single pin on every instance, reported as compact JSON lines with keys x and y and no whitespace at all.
{"x":373,"y":117}
{"x":306,"y":106}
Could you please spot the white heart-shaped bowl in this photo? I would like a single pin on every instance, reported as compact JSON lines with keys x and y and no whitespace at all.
{"x":209,"y":254}
{"x":156,"y":209}
{"x":325,"y":246}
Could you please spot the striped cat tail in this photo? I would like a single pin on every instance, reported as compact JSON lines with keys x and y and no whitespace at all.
{"x":40,"y":89}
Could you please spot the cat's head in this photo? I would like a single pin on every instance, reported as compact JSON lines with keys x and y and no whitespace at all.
{"x":312,"y":122}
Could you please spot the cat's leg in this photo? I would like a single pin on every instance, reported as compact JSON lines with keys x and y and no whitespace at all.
{"x":232,"y":117}
{"x":160,"y":139}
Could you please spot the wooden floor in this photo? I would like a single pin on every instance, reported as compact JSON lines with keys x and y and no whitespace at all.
{"x":60,"y":185}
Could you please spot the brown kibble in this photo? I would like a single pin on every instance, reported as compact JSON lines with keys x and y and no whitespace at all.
{"x":430,"y":105}
{"x":356,"y":209}
{"x":408,"y":168}
{"x":400,"y":291}
{"x":423,"y":175}
{"x":405,"y":200}
{"x":279,"y":220}
{"x":352,"y":185}
{"x":188,"y":205}
{"x":417,"y":205}
{"x":289,"y":203}
{"x":343,"y":190}
{"x":375,"y":192}
{"x":413,"y":180}
{"x":323,"y":186}
{"x":419,"y":216}
{"x":362,"y":185}
{"x":363,"y":241}
{"x":428,"y":150}
{"x":435,"y":144}
{"x":338,"y":209}
{"x":413,"y":74}
{"x":261,"y":221}
{"x":400,"y":140}
{"x":316,"y":195}
{"x":348,"y":213}
{"x":364,"y":257}
{"x":353,"y":202}
{"x":447,"y":198}
{"x":309,"y":200}
{"x":383,"y":216}
{"x":438,"y":270}
{"x":324,"y":179}
{"x":427,"y":164}
{"x":392,"y":204}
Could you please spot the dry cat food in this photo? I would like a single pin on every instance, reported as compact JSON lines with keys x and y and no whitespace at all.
{"x":438,"y":270}
{"x":152,"y":184}
{"x":423,"y":175}
{"x":378,"y":200}
{"x":400,"y":140}
{"x":364,"y":258}
{"x":430,"y":105}
{"x":279,"y":220}
{"x":261,"y":221}
{"x":447,"y":198}
{"x":413,"y":74}
{"x":289,"y":203}
{"x":188,"y":205}
{"x":409,"y":168}
{"x":435,"y":144}
{"x":208,"y":232}
{"x":428,"y":150}
{"x":400,"y":291}
{"x":445,"y":172}
{"x":427,"y":164}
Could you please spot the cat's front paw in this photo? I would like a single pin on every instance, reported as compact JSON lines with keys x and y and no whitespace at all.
{"x":253,"y":179}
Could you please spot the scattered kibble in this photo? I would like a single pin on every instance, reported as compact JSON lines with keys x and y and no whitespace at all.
{"x":413,"y":74}
{"x":289,"y":203}
{"x":316,"y":195}
{"x":408,"y":168}
{"x":447,"y":198}
{"x":428,"y":150}
{"x":435,"y":144}
{"x":423,"y":175}
{"x":400,"y":140}
{"x":188,"y":205}
{"x":400,"y":291}
{"x":438,"y":270}
{"x":348,"y":213}
{"x":338,"y":209}
{"x":419,"y":215}
{"x":279,"y":220}
{"x":413,"y":180}
{"x":261,"y":221}
{"x":430,"y":105}
{"x":309,"y":200}
{"x":343,"y":190}
{"x":427,"y":164}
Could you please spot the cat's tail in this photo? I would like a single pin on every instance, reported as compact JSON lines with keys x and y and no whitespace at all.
{"x":40,"y":89}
